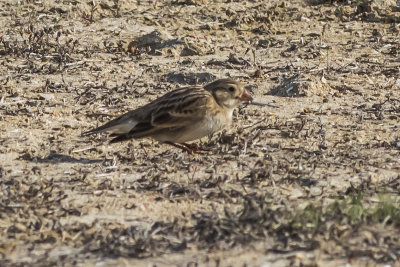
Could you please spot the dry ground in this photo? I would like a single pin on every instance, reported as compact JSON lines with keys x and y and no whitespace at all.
{"x":314,"y":182}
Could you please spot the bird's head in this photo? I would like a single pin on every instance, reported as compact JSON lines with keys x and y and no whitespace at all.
{"x":228,"y":93}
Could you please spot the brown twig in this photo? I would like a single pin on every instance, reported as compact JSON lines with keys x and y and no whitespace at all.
{"x":261,"y":104}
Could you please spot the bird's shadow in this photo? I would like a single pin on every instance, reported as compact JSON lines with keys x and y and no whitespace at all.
{"x":56,"y":158}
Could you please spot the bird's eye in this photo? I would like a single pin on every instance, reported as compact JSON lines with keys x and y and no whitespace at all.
{"x":231,"y":89}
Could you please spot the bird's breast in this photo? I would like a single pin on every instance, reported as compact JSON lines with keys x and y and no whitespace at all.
{"x":210,"y":124}
{"x":218,"y":121}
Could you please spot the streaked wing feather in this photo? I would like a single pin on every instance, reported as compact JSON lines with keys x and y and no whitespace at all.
{"x":178,"y":108}
{"x":190,"y":108}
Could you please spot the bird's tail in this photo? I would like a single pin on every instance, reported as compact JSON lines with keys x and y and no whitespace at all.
{"x":118,"y":126}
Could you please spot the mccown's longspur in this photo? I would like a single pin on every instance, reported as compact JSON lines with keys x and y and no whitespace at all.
{"x":180,"y":116}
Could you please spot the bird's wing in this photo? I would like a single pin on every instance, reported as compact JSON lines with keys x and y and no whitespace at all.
{"x":182,"y":109}
{"x":178,"y":108}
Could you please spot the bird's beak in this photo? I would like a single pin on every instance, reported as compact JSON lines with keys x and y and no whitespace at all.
{"x":246,"y":96}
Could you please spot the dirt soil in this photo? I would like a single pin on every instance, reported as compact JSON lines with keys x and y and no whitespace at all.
{"x":314,"y":181}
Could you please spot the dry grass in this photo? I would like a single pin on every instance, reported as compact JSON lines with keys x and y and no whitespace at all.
{"x":312,"y":182}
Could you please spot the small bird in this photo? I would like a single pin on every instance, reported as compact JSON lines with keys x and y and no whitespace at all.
{"x":180,"y":116}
